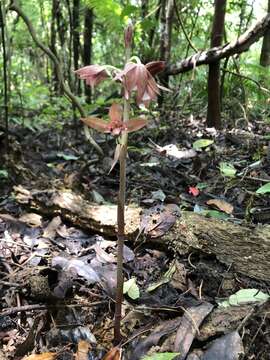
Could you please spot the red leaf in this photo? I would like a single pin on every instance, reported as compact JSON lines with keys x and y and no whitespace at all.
{"x":96,"y":123}
{"x":135,"y":124}
{"x":193,"y":191}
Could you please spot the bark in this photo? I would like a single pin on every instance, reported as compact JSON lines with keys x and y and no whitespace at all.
{"x":167,"y":8}
{"x":14,"y":7}
{"x":76,"y":39}
{"x":213,"y":110}
{"x":87,"y":46}
{"x":55,"y":4}
{"x":265,"y":52}
{"x":247,"y":249}
{"x":5,"y":75}
{"x":241,"y":44}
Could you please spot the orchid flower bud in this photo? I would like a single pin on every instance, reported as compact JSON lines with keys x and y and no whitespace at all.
{"x":128,"y":35}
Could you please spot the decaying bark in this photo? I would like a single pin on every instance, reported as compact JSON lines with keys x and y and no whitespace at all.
{"x":241,"y":44}
{"x":246,"y":249}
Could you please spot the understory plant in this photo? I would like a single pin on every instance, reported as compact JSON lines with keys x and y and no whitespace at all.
{"x":136,"y":78}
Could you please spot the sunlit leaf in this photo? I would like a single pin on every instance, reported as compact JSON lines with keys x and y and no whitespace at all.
{"x":227,"y":169}
{"x":44,"y":356}
{"x":83,"y":350}
{"x":245,"y":296}
{"x":221,"y":205}
{"x":3,"y":174}
{"x":264,"y":189}
{"x":161,"y":356}
{"x":202,"y":143}
{"x":67,"y":156}
{"x":131,"y":289}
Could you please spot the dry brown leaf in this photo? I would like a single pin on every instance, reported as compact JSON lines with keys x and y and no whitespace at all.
{"x":113,"y":354}
{"x":221,"y":205}
{"x":31,"y":219}
{"x":82,"y":351}
{"x":44,"y":356}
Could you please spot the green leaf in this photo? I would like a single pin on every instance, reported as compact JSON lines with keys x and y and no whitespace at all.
{"x":202,"y":143}
{"x":227,"y":169}
{"x":67,"y":157}
{"x":264,"y":189}
{"x":245,"y":296}
{"x":131,"y":289}
{"x":3,"y":174}
{"x":161,"y":356}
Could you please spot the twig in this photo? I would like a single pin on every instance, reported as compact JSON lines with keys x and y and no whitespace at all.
{"x":34,"y":307}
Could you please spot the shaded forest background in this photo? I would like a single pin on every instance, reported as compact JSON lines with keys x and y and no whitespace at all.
{"x":83,"y":32}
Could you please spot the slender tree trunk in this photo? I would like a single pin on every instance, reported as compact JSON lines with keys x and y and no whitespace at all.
{"x":166,"y":20}
{"x":71,"y":79}
{"x":265,"y":52}
{"x":5,"y":71}
{"x":87,"y":46}
{"x":53,"y":45}
{"x":213,"y":110}
{"x":76,"y":40}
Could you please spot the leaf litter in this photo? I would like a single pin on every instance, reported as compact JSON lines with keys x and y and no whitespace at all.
{"x":69,"y":274}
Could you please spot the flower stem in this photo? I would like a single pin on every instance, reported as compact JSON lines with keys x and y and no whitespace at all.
{"x":121,"y":220}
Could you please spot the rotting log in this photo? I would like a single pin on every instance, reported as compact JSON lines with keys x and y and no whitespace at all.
{"x":247,"y":249}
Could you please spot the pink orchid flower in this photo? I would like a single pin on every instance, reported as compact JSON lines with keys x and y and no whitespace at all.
{"x":116,"y":125}
{"x":138,"y":77}
{"x":92,"y":74}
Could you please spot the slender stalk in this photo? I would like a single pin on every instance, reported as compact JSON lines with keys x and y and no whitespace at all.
{"x":121,"y":219}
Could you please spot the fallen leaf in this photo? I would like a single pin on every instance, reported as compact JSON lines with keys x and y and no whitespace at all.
{"x":161,"y":356}
{"x":227,"y":347}
{"x":113,"y":354}
{"x":263,"y":189}
{"x":202,"y":143}
{"x":221,"y":205}
{"x":31,"y":219}
{"x":44,"y":356}
{"x":193,"y":191}
{"x":227,"y":169}
{"x":82,"y":351}
{"x":190,"y":323}
{"x":50,"y":230}
{"x":131,"y":288}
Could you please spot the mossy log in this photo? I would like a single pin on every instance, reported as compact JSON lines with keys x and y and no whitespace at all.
{"x":247,"y":249}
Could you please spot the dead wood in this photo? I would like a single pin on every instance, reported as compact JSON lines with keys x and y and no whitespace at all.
{"x":214,"y":54}
{"x":247,"y":249}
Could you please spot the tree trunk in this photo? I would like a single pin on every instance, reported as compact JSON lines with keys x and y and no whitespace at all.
{"x":213,"y":110}
{"x":265,"y":52}
{"x":76,"y":40}
{"x":166,"y":20}
{"x":55,"y":83}
{"x":87,"y":46}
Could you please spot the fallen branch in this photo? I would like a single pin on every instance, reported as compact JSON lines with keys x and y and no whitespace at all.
{"x":15,"y":7}
{"x":212,"y":55}
{"x":247,"y":249}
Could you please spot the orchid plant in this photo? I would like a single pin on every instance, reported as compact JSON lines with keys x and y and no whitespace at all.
{"x":135,"y":78}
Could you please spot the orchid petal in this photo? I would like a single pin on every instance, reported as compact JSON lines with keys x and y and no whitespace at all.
{"x":96,"y":123}
{"x":135,"y":124}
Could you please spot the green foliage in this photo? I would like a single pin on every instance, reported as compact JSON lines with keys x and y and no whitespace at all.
{"x":161,"y":356}
{"x":264,"y":189}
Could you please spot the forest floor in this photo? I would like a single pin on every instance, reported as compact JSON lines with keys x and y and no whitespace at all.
{"x":50,"y":299}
